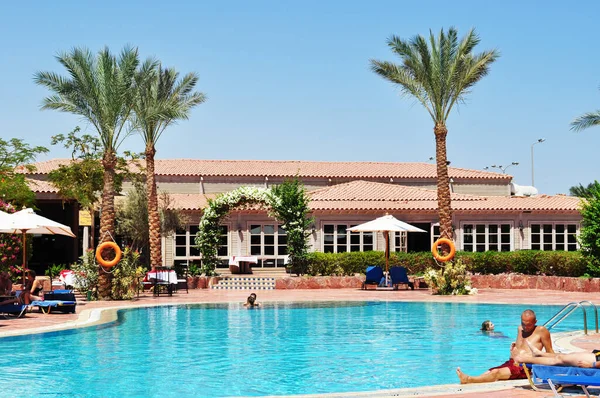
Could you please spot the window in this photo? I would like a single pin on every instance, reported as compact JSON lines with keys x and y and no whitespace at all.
{"x":554,"y":236}
{"x":399,"y":241}
{"x":268,"y":241}
{"x":185,"y":243}
{"x":337,"y":239}
{"x":487,"y":237}
{"x":435,"y":232}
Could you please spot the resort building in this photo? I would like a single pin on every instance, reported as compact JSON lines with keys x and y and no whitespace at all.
{"x":489,"y":211}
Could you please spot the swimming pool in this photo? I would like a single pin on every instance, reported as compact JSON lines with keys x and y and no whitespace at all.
{"x":279,"y":349}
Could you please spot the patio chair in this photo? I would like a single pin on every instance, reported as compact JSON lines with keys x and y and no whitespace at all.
{"x":399,"y":277}
{"x":373,"y":276}
{"x":561,"y":375}
{"x":182,"y":281}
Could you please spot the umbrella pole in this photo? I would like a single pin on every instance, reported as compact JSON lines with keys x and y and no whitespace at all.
{"x":387,"y":256}
{"x":24,"y":249}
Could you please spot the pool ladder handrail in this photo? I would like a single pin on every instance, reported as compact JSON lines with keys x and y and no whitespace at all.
{"x":572,"y":307}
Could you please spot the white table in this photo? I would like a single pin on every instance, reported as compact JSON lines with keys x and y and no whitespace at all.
{"x":162,"y":276}
{"x":241,"y":264}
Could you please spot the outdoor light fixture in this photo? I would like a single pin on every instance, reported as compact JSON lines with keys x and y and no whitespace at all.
{"x":520,"y":225}
{"x":502,"y":168}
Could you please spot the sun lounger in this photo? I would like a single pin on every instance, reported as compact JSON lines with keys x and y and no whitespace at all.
{"x":59,"y":300}
{"x":46,"y":306}
{"x":373,"y":276}
{"x":562,"y":375}
{"x":399,"y":277}
{"x":13,"y":310}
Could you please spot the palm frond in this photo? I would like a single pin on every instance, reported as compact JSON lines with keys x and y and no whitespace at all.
{"x":586,"y":121}
{"x":438,"y":71}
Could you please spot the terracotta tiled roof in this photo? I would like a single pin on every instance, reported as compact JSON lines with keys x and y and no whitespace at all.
{"x":368,"y":196}
{"x":291,"y":168}
{"x":41,"y":186}
{"x":365,"y":195}
{"x":374,"y":191}
{"x":184,"y":201}
{"x":44,"y":167}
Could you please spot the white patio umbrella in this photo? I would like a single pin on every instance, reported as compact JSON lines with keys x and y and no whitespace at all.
{"x":386,"y":224}
{"x":27,"y":222}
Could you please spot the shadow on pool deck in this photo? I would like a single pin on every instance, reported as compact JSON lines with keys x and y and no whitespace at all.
{"x":36,"y":322}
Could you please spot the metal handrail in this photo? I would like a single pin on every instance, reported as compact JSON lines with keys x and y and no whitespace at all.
{"x":568,"y":310}
{"x":595,"y":311}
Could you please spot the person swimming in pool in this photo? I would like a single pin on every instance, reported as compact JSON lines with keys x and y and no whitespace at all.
{"x":487,"y":328}
{"x":251,"y":301}
{"x":579,"y":359}
{"x":528,"y":331}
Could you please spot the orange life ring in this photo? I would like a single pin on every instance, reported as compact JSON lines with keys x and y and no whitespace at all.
{"x":108,"y":245}
{"x":437,"y":255}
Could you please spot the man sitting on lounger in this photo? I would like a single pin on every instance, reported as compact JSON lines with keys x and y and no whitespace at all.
{"x":528,"y":332}
{"x":579,"y":359}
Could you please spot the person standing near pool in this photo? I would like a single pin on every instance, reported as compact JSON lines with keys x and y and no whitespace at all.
{"x":527,"y":333}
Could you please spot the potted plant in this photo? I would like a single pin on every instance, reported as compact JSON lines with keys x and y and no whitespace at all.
{"x":193,"y":276}
{"x":53,"y":272}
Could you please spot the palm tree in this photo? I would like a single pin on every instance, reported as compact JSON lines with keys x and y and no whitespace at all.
{"x":101,"y":90}
{"x":439,"y":73}
{"x":584,"y":192}
{"x":585,"y":121}
{"x":162,"y":100}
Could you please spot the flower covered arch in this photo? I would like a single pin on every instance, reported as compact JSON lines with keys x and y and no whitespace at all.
{"x":286,"y":202}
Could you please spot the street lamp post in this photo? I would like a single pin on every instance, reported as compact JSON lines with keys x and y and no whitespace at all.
{"x":539,"y":141}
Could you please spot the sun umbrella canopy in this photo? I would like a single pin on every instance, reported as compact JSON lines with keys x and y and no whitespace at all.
{"x":386,"y":223}
{"x":26,"y":221}
{"x":4,"y":220}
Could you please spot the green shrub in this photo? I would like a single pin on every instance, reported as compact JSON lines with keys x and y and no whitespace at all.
{"x":524,"y":261}
{"x":126,"y":275}
{"x":453,"y":279}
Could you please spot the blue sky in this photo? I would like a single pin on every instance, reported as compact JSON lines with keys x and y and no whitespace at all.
{"x":291,"y":80}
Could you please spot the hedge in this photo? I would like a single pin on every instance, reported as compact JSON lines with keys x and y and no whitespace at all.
{"x":527,"y":262}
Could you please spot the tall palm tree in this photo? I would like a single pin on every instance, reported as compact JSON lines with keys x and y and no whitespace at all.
{"x":586,"y":120}
{"x":101,"y":90}
{"x":439,"y":73}
{"x":161,"y":101}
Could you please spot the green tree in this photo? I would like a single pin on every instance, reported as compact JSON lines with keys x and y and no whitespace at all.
{"x":290,"y":205}
{"x":586,"y":121}
{"x":581,"y":191}
{"x":15,"y":153}
{"x":81,"y":179}
{"x":161,"y":101}
{"x":589,"y":237}
{"x":101,"y":90}
{"x":133,"y":220}
{"x":438,"y":72}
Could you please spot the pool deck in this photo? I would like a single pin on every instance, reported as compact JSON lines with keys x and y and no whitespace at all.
{"x":91,"y":313}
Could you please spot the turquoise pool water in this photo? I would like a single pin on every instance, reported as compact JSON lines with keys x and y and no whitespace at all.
{"x":279,"y":349}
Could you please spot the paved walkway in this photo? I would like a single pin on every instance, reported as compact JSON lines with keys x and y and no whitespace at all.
{"x":89,"y":313}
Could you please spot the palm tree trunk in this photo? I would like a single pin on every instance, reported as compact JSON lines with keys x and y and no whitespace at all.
{"x":153,"y":215}
{"x":107,"y":218}
{"x":443,"y":182}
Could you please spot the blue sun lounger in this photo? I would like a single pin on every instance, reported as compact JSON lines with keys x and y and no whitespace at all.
{"x":399,"y":277}
{"x":373,"y":276}
{"x":16,"y":310}
{"x":561,"y":375}
{"x":60,"y":300}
